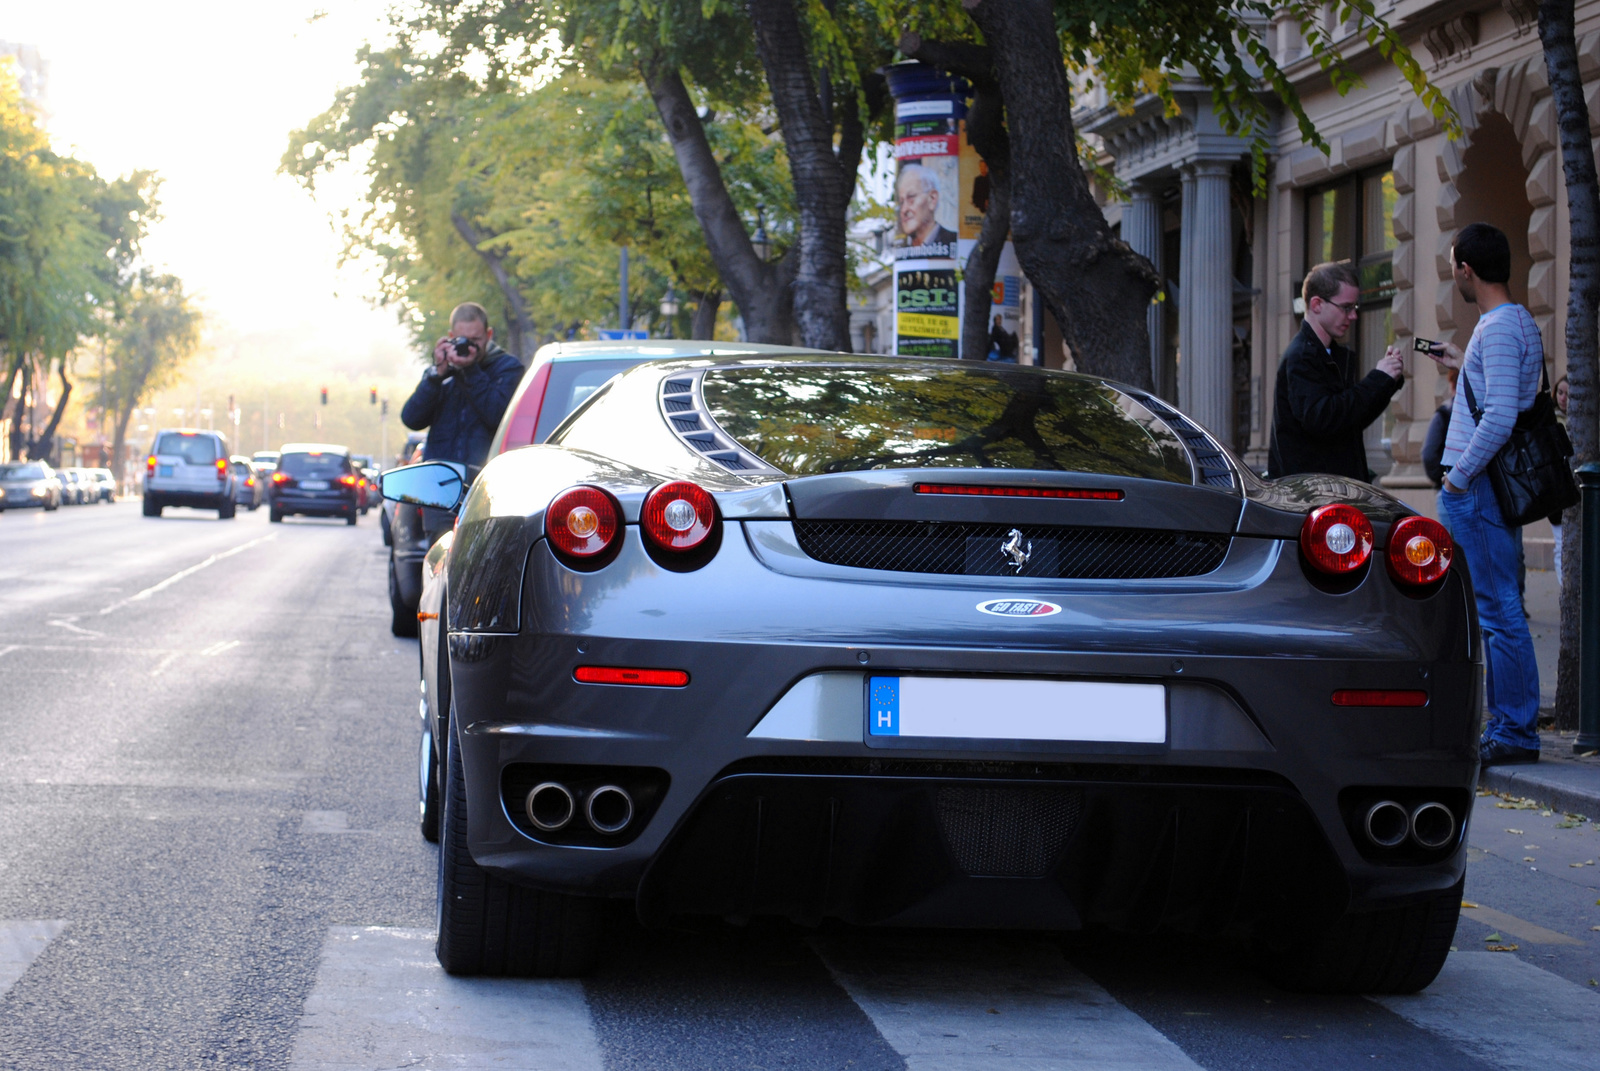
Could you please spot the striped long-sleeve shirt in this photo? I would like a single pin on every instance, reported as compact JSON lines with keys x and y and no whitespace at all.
{"x":1503,"y":363}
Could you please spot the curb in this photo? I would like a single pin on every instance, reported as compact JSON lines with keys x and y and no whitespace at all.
{"x":1561,"y":787}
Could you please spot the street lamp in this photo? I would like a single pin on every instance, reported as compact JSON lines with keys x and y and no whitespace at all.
{"x":669,"y":307}
{"x":761,"y":243}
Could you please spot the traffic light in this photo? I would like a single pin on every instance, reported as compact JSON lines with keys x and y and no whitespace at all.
{"x":372,"y":393}
{"x":324,"y":395}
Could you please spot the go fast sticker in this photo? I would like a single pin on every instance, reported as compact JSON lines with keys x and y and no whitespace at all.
{"x":1018,"y":608}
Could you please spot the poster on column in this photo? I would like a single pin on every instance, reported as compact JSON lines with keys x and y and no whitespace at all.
{"x":1005,"y":311}
{"x":927,"y":211}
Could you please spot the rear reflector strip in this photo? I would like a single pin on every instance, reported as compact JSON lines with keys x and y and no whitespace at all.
{"x":1359,"y":697}
{"x":1018,"y":492}
{"x":657,"y":678}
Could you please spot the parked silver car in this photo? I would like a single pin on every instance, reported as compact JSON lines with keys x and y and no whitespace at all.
{"x":28,"y":483}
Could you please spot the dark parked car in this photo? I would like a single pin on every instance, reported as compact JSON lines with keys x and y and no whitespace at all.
{"x":937,"y":643}
{"x":25,"y":484}
{"x":315,"y":480}
{"x":561,"y":376}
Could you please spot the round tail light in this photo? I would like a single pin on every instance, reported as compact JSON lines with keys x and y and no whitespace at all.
{"x":1419,"y":551}
{"x":583,"y":522}
{"x":678,"y":516}
{"x":1336,"y":539}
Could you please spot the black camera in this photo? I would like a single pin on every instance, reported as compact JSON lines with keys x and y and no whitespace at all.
{"x":464,"y":346}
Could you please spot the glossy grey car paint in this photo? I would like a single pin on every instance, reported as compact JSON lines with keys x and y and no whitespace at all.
{"x":1249,"y":653}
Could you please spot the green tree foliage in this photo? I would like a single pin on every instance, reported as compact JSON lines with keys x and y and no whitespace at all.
{"x":517,"y":189}
{"x":157,"y":331}
{"x":68,"y":241}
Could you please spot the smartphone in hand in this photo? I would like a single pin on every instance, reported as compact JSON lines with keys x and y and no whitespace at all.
{"x":1426,"y":345}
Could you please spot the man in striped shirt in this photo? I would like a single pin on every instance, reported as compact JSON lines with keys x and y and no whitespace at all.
{"x":1502,"y":364}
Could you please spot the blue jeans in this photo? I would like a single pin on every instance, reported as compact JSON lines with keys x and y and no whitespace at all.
{"x":1490,"y":548}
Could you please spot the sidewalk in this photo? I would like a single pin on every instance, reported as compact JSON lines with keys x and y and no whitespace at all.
{"x":1559,"y":780}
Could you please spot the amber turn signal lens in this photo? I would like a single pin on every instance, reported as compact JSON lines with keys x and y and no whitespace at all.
{"x":1419,"y":552}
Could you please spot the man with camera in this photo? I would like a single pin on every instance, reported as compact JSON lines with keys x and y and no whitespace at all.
{"x":464,"y":393}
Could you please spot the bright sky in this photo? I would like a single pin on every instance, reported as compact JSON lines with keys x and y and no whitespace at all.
{"x":206,"y":94}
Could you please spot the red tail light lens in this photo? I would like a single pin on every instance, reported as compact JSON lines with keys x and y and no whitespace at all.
{"x":678,"y":516}
{"x":1336,"y":539}
{"x":348,"y":481}
{"x":1420,"y":551}
{"x":222,"y":468}
{"x":1380,"y":697}
{"x":656,"y":678}
{"x":280,"y":477}
{"x":583,"y":522}
{"x":150,"y":466}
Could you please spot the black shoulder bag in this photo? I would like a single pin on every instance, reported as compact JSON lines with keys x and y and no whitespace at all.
{"x":1530,"y":475}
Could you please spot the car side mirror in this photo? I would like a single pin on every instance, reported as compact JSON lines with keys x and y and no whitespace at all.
{"x":437,"y":484}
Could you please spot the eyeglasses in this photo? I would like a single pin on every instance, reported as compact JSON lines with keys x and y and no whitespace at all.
{"x":1349,"y":310}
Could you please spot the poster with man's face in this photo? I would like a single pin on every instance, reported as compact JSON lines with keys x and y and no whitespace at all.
{"x":926,"y":208}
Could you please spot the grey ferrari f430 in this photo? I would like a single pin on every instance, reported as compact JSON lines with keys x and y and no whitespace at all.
{"x":922,"y":643}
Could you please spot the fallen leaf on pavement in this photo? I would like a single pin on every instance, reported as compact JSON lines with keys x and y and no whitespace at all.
{"x":1518,"y":832}
{"x":1503,"y":948}
{"x":1529,"y":859}
{"x":1468,"y":903}
{"x":1494,"y":937}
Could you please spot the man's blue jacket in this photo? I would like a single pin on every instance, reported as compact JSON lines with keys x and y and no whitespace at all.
{"x":462,"y":410}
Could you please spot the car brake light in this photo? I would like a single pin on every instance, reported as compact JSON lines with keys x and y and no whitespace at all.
{"x":150,"y":466}
{"x":222,"y":469}
{"x":1419,"y":551}
{"x":678,"y":516}
{"x":348,"y":481}
{"x":583,"y":522}
{"x":280,"y":477}
{"x":1098,"y":494}
{"x":1336,"y":539}
{"x":1380,"y":697}
{"x":658,"y":678}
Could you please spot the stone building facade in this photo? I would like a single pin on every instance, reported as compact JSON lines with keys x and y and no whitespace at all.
{"x":1389,"y":195}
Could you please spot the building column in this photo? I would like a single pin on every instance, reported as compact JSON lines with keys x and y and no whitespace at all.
{"x":1207,"y":315}
{"x":1185,"y":286}
{"x":1141,"y":229}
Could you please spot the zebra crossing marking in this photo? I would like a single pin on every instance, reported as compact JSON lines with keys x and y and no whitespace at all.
{"x":381,"y":1000}
{"x":1507,"y":1012}
{"x":21,"y":941}
{"x":961,"y":1002}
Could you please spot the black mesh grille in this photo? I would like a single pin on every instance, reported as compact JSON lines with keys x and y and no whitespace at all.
{"x":1007,"y":832}
{"x":976,"y":549}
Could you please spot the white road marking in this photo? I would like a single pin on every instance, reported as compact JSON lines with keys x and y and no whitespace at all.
{"x":181,"y":573}
{"x":166,"y":660}
{"x":67,"y":623}
{"x":21,"y":942}
{"x":1471,"y":1000}
{"x":960,"y":1003}
{"x":219,"y":647}
{"x":9,"y":648}
{"x":381,"y":1000}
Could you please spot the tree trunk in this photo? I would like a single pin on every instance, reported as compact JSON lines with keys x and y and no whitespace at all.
{"x":19,"y":437}
{"x":1095,"y":286}
{"x":119,"y":441}
{"x":519,"y":322}
{"x":1583,"y":208}
{"x":823,"y":181}
{"x":705,"y":314}
{"x":761,"y":290}
{"x":43,"y":440}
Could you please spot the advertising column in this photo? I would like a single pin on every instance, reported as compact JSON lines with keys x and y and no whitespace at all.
{"x":929,"y":109}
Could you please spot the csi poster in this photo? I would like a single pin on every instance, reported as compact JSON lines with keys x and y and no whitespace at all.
{"x":928,"y":321}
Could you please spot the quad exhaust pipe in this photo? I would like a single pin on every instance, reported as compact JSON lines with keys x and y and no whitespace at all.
{"x":1430,"y":825}
{"x":551,"y":807}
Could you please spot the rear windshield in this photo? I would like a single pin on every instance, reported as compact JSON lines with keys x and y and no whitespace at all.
{"x":21,"y":471}
{"x":810,"y":419}
{"x":571,"y":383}
{"x":195,"y":449}
{"x":313,"y":466}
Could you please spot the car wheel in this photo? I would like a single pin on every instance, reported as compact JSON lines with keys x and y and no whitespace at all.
{"x":350,"y":518}
{"x":1400,"y":950}
{"x":402,"y":618}
{"x":152,"y":508}
{"x":274,"y":516}
{"x":226,"y":512}
{"x":488,"y":926}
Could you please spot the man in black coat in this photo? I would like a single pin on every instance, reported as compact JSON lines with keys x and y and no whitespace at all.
{"x":1320,"y":409}
{"x":463,"y":395}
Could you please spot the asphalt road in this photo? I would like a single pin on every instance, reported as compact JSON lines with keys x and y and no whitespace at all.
{"x":209,"y":858}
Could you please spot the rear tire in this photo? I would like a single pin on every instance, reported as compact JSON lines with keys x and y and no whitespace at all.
{"x":488,"y":926}
{"x":428,"y":784}
{"x":402,"y":618}
{"x":1400,"y":950}
{"x":274,"y":516}
{"x":152,"y":508}
{"x":350,"y":518}
{"x":226,"y":512}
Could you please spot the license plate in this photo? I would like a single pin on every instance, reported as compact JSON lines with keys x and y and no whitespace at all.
{"x":314,"y":485}
{"x":979,"y":708}
{"x":164,"y":470}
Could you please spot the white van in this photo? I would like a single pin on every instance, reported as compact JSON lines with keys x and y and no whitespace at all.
{"x":188,"y":468}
